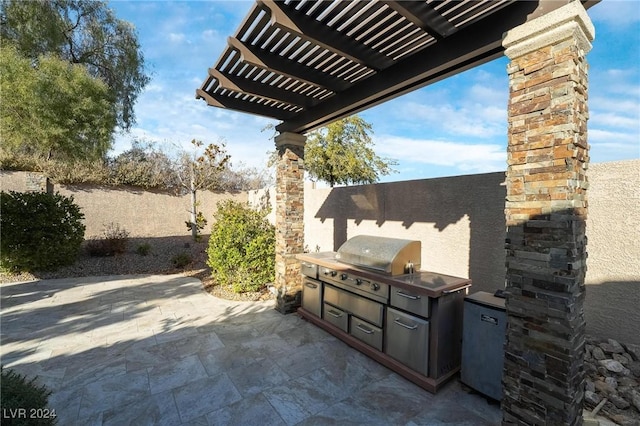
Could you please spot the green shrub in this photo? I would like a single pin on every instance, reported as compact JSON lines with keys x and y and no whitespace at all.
{"x":39,"y":231}
{"x":143,"y":249}
{"x":23,"y":401}
{"x":181,"y":260}
{"x":241,"y":250}
{"x":113,"y":241}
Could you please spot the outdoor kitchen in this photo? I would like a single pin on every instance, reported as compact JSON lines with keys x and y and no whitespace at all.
{"x":373,"y":295}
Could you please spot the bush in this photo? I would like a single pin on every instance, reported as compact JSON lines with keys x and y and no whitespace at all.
{"x":143,"y":249}
{"x":39,"y":231}
{"x":241,"y":250}
{"x":181,"y":260}
{"x":18,"y":393}
{"x":113,"y":241}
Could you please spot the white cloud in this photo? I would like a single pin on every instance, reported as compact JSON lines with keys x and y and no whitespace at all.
{"x":618,"y":14}
{"x":615,"y":120}
{"x":463,"y":156}
{"x":177,"y":37}
{"x":475,"y":120}
{"x":602,"y":137}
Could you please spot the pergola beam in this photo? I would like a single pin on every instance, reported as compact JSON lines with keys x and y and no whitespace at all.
{"x":276,"y":63}
{"x":424,"y":16}
{"x":287,"y":18}
{"x":267,"y":91}
{"x":462,"y":50}
{"x":234,"y":103}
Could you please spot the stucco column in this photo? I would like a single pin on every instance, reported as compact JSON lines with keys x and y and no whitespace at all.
{"x":289,"y":220}
{"x":546,"y":207}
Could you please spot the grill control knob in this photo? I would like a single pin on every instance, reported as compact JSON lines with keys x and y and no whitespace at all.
{"x":334,"y":273}
{"x":358,"y":281}
{"x":343,"y":276}
{"x":375,"y":286}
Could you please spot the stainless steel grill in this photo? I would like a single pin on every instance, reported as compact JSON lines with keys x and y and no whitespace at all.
{"x":391,"y":256}
{"x":372,"y":294}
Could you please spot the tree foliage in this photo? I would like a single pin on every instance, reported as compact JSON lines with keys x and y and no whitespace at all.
{"x":342,"y":153}
{"x":53,"y":108}
{"x":145,"y":166}
{"x":83,"y":32}
{"x":244,"y":178}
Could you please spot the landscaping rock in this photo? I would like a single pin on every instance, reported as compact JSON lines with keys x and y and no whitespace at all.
{"x":604,"y":388}
{"x":598,"y":353}
{"x":612,"y":347}
{"x":612,"y":365}
{"x":615,"y":377}
{"x":611,"y":381}
{"x":634,"y":351}
{"x":619,"y":402}
{"x":592,"y":398}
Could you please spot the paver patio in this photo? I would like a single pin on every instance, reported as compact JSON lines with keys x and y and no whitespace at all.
{"x":160,"y":350}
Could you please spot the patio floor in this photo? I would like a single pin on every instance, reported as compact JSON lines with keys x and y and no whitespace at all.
{"x":159,"y":350}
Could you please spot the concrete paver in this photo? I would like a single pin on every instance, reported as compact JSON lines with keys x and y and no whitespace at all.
{"x":147,"y":350}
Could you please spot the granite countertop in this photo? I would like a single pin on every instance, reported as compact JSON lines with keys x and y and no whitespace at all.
{"x":432,"y":284}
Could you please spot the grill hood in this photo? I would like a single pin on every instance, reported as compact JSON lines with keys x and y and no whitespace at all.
{"x":391,"y":256}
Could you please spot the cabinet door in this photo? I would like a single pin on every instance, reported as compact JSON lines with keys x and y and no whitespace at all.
{"x":336,"y":316}
{"x":407,"y":340}
{"x":312,"y":296}
{"x":407,"y":301}
{"x":366,"y":332}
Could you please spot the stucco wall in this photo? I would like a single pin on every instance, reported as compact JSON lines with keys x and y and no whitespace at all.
{"x":612,"y":306}
{"x":142,"y":213}
{"x":460,"y":222}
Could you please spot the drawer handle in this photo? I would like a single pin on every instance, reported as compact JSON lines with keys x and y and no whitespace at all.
{"x":364,"y":329}
{"x":311,"y":285}
{"x":408,"y":327}
{"x":408,"y":296}
{"x":334,"y":313}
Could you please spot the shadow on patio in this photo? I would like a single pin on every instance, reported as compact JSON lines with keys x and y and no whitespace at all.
{"x":160,"y":350}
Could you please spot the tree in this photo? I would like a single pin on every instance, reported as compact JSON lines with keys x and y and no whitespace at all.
{"x":244,"y":178}
{"x":342,"y":153}
{"x":145,"y":166}
{"x":53,"y":108}
{"x":83,"y":32}
{"x":198,"y":170}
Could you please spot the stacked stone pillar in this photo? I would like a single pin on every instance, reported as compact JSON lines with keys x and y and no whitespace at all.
{"x":546,"y":207}
{"x":289,"y":220}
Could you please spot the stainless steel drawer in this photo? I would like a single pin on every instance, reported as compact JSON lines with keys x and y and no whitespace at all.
{"x":336,"y":316}
{"x":309,"y":269}
{"x":364,"y":308}
{"x":408,"y":301}
{"x":407,"y":340}
{"x":312,"y":296}
{"x":369,"y":334}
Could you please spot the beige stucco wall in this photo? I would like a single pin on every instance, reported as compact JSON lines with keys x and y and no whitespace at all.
{"x":612,"y":305}
{"x":142,"y":213}
{"x":460,"y":222}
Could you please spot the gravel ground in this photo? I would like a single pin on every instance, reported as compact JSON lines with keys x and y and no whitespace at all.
{"x":160,"y":259}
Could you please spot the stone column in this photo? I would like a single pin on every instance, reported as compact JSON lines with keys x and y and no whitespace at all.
{"x":289,"y":220}
{"x":546,"y":207}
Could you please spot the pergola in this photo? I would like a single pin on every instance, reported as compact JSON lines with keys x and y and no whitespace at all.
{"x":309,"y":63}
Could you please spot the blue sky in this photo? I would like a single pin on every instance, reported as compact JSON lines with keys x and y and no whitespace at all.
{"x":454,"y":127}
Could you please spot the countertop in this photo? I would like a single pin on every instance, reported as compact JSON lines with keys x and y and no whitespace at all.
{"x":432,"y":284}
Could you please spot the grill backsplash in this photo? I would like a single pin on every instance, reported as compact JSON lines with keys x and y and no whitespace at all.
{"x":390,"y":256}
